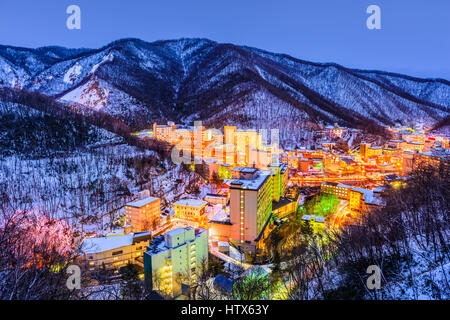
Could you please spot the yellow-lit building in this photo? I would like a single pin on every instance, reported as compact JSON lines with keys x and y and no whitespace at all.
{"x":340,"y":190}
{"x":190,"y":209}
{"x":284,"y":207}
{"x":414,"y":146}
{"x":362,"y":199}
{"x":317,"y":223}
{"x":164,"y":132}
{"x":373,"y":152}
{"x":364,"y":149}
{"x":250,"y":209}
{"x":441,"y":162}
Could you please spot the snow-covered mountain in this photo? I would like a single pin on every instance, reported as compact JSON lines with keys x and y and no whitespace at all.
{"x":140,"y":82}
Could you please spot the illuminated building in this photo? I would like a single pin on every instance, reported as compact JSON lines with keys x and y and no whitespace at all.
{"x":284,"y":207}
{"x":400,"y":144}
{"x":229,"y":134}
{"x":284,"y":172}
{"x":374,"y":152}
{"x":340,"y":190}
{"x":316,"y":223}
{"x":225,"y":153}
{"x":174,"y":259}
{"x":293,"y":161}
{"x":408,"y":163}
{"x":414,"y":137}
{"x":207,"y":168}
{"x":183,"y":139}
{"x":335,"y":131}
{"x":193,"y":141}
{"x":440,"y":161}
{"x":280,"y":178}
{"x":363,"y":149}
{"x":243,"y":142}
{"x":224,"y":171}
{"x":362,"y":199}
{"x":394,"y":180}
{"x":250,"y":209}
{"x":190,"y":209}
{"x":143,"y":213}
{"x":414,"y":146}
{"x":304,"y":165}
{"x":261,"y":159}
{"x":164,"y":132}
{"x":250,"y":204}
{"x":216,"y":198}
{"x":113,"y":252}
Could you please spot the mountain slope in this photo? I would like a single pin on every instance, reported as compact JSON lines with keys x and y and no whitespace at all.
{"x":140,"y":82}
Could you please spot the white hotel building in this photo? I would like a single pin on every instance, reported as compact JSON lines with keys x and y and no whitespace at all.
{"x":174,"y":258}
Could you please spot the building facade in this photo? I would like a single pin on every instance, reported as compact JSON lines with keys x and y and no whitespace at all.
{"x":142,"y":214}
{"x":190,"y":209}
{"x":113,"y":252}
{"x":340,"y":190}
{"x":175,"y":258}
{"x":250,"y":205}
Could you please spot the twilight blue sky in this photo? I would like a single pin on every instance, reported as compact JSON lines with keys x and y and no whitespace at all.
{"x":415,"y":35}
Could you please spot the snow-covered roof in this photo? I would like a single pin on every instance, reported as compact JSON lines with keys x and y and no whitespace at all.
{"x":308,"y":217}
{"x":176,"y":231}
{"x":191,"y":202}
{"x":252,"y":184}
{"x":96,"y":245}
{"x":101,"y":244}
{"x":142,"y":202}
{"x":221,"y":217}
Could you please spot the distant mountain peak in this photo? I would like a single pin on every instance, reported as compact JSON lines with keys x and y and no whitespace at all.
{"x":196,"y":78}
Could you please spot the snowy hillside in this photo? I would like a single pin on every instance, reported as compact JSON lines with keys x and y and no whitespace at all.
{"x":187,"y":79}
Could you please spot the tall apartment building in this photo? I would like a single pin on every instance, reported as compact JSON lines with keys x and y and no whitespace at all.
{"x":174,"y":259}
{"x":246,"y":142}
{"x":250,"y":205}
{"x":193,"y":140}
{"x":363,"y":149}
{"x":113,"y":252}
{"x":280,"y":179}
{"x":142,"y":214}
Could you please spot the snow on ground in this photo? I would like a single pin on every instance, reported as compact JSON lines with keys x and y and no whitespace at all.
{"x":73,"y":73}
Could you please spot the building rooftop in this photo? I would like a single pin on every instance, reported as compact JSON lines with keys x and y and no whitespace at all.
{"x":335,"y":184}
{"x":221,"y":217}
{"x":176,"y":231}
{"x":392,"y":177}
{"x":251,"y":184}
{"x":142,"y":202}
{"x":101,"y":244}
{"x":191,"y":202}
{"x":158,"y":244}
{"x":245,"y":169}
{"x":307,"y":217}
